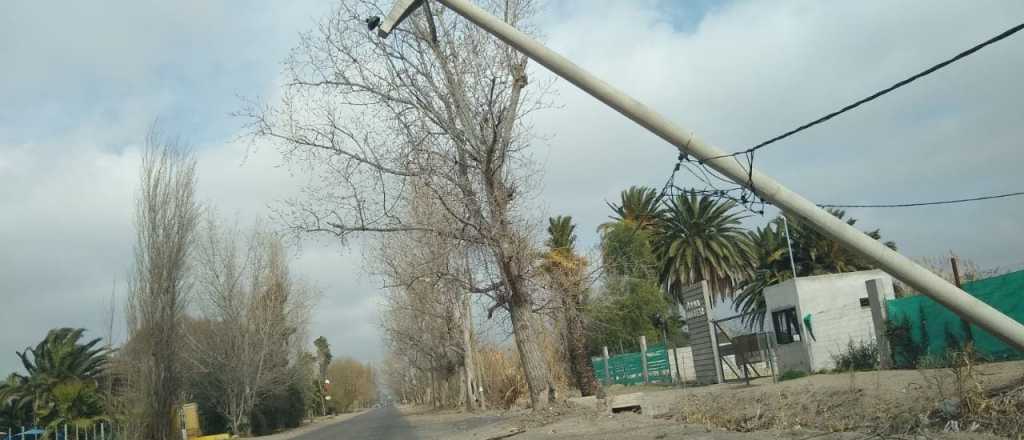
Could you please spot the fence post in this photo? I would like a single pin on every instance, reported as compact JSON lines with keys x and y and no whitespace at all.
{"x":643,"y":356}
{"x":679,"y":367}
{"x":607,"y":376}
{"x":879,"y":316}
{"x":103,"y":432}
{"x":65,"y":431}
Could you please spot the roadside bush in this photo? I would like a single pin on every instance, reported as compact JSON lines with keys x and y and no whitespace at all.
{"x":792,"y":374}
{"x":963,"y":403}
{"x":906,"y":352}
{"x":857,"y":357}
{"x":278,"y":411}
{"x":504,"y":382}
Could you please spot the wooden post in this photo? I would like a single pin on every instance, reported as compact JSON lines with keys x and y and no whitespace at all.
{"x":467,"y":359}
{"x":607,"y":376}
{"x":956,"y":271}
{"x":966,"y":326}
{"x":643,"y":357}
{"x":879,"y":316}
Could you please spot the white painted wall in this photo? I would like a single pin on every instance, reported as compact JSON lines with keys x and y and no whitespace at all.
{"x":833,"y":301}
{"x":685,"y":356}
{"x":792,"y":356}
{"x":837,"y":316}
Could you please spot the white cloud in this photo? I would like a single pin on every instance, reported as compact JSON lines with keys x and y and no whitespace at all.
{"x":753,"y":69}
{"x":88,"y":81}
{"x":66,"y":232}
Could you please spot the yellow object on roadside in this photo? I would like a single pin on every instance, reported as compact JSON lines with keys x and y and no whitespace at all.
{"x":214,"y":437}
{"x":190,"y":420}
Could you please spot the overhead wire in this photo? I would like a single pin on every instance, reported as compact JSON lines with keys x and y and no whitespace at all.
{"x":748,"y":197}
{"x":915,"y":204}
{"x":877,"y":94}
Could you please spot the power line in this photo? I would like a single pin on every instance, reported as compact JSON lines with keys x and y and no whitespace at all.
{"x":941,"y":202}
{"x":878,"y":94}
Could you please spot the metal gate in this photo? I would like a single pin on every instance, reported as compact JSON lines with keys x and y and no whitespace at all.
{"x":744,"y":351}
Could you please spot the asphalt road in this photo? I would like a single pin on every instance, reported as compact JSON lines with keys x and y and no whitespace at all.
{"x":381,"y":423}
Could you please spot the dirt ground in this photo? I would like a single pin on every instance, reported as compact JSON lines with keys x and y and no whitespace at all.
{"x":888,"y":402}
{"x":907,"y":403}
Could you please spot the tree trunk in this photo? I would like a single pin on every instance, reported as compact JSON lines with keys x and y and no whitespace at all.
{"x":579,"y":361}
{"x":467,"y":354}
{"x":531,"y":355}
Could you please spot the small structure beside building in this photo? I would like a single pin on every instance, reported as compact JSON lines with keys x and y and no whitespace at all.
{"x":814,"y":318}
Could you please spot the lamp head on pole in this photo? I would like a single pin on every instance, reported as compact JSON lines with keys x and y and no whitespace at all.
{"x":399,"y":12}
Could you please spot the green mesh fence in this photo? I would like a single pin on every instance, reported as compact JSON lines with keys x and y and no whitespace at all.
{"x":627,"y":369}
{"x":919,"y":327}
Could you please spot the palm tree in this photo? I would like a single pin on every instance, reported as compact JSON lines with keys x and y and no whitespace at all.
{"x":813,"y":254}
{"x":61,"y":383}
{"x":771,"y":266}
{"x":817,"y":254}
{"x":561,"y":234}
{"x":14,"y":410}
{"x":60,"y":356}
{"x":74,"y":402}
{"x":626,"y":240}
{"x":566,"y":270}
{"x":701,"y":239}
{"x":639,"y":206}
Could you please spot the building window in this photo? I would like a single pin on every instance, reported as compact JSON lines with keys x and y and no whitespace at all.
{"x":787,"y":327}
{"x":864,"y":302}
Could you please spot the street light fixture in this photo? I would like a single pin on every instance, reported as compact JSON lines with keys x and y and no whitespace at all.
{"x":399,"y":12}
{"x":923,"y":280}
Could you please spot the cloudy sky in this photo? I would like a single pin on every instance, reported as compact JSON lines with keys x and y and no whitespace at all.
{"x":83,"y":81}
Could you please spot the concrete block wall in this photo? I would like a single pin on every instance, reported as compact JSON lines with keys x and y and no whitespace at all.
{"x":685,"y":356}
{"x":837,"y":317}
{"x":792,"y":356}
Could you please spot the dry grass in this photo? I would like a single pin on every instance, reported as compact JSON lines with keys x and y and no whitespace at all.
{"x":965,"y":404}
{"x":828,"y":410}
{"x":503,"y":381}
{"x":965,"y":397}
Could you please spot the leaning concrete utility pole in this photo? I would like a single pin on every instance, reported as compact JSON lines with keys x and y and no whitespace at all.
{"x":921,"y":279}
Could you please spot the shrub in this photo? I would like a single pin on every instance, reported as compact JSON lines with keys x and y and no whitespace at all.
{"x":906,"y":353}
{"x":857,"y":357}
{"x":792,"y":374}
{"x":504,"y":382}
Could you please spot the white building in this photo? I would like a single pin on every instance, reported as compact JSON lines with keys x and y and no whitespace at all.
{"x":814,"y":318}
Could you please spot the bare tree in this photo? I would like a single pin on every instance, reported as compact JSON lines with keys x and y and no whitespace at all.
{"x":423,"y":316}
{"x":353,"y":384}
{"x":439,"y":106}
{"x":430,"y":276}
{"x":254,"y":312}
{"x":166,"y":215}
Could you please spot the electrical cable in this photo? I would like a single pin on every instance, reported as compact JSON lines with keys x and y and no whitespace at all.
{"x":910,"y":205}
{"x":879,"y":93}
